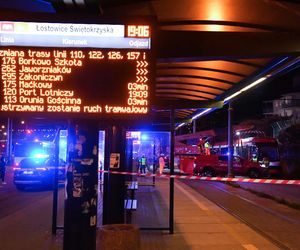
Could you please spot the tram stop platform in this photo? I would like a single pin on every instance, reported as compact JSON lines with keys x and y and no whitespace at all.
{"x":198,"y":223}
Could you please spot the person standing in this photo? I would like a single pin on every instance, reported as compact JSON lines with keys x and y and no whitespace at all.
{"x":2,"y":169}
{"x":161,"y":162}
{"x":207,"y":148}
{"x":201,"y":146}
{"x":143,"y":162}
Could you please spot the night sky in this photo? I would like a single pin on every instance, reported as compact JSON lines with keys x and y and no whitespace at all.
{"x":250,"y":105}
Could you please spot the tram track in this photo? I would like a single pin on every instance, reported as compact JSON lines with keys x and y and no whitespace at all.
{"x":260,"y":206}
{"x":256,"y":229}
{"x":251,"y":225}
{"x":220,"y":194}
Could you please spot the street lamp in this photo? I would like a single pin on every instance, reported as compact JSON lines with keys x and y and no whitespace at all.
{"x":240,"y":143}
{"x":238,"y":133}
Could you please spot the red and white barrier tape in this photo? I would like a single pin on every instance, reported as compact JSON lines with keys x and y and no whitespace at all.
{"x":193,"y":177}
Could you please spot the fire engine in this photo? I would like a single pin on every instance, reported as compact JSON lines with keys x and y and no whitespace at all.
{"x":213,"y":165}
{"x":255,"y":156}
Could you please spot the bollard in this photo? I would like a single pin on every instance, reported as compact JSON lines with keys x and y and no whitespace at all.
{"x":118,"y":237}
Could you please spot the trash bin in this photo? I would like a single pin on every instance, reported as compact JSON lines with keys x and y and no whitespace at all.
{"x":118,"y":237}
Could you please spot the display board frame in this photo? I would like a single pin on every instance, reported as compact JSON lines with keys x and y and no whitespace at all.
{"x":147,"y":72}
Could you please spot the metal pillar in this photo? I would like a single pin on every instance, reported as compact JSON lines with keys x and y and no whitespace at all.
{"x":9,"y":141}
{"x":230,"y":142}
{"x":171,"y":214}
{"x":194,"y":126}
{"x":80,"y":217}
{"x":55,"y":188}
{"x":114,"y":184}
{"x":154,"y":164}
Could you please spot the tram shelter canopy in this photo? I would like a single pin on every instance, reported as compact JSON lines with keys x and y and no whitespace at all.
{"x":208,"y":51}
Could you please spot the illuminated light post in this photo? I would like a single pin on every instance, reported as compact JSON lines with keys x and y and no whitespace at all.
{"x":238,"y":133}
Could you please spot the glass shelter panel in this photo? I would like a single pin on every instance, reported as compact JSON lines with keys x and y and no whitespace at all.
{"x":149,"y":153}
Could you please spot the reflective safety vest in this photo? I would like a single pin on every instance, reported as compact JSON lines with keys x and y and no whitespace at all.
{"x":143,"y":161}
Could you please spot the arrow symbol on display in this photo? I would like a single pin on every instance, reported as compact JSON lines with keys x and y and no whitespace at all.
{"x":142,"y":71}
{"x":142,"y":63}
{"x":141,"y":79}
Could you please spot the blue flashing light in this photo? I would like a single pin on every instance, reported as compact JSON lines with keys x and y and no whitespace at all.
{"x":39,"y":156}
{"x":144,"y":137}
{"x":43,"y":169}
{"x":63,"y":143}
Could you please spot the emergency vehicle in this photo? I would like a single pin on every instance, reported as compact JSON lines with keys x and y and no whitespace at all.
{"x":259,"y":153}
{"x":214,"y":164}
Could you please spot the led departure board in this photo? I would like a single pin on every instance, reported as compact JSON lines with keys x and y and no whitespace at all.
{"x":75,"y":68}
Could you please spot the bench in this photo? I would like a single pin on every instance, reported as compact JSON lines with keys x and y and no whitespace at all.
{"x":132,"y":186}
{"x":130,"y":204}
